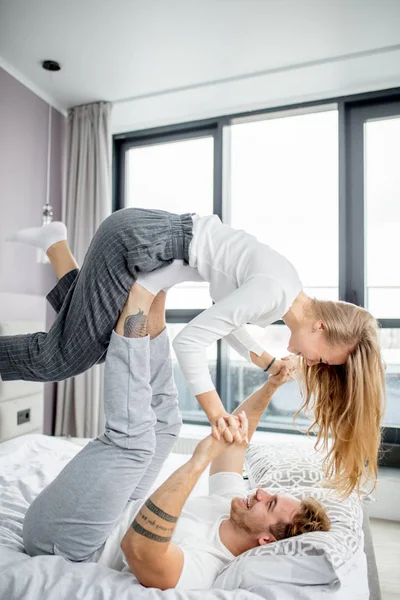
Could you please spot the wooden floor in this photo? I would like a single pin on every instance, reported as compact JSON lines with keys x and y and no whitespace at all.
{"x":386,"y":536}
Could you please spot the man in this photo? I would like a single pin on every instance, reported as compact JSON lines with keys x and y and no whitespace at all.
{"x":173,"y":541}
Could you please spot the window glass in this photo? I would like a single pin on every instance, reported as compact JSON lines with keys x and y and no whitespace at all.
{"x":187,"y":402}
{"x":382,"y":208}
{"x":284,"y":190}
{"x":177,"y":177}
{"x":390,"y":344}
{"x":244,"y":378}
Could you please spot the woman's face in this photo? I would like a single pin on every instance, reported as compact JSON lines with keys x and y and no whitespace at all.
{"x":309,"y":341}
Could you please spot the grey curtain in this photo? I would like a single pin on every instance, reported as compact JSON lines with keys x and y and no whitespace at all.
{"x":79,"y":406}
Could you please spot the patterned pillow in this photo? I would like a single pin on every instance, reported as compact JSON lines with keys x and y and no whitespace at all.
{"x":288,"y":468}
{"x":341,"y":549}
{"x":289,"y":465}
{"x":283,"y":466}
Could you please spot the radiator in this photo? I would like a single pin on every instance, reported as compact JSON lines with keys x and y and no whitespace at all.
{"x":185,"y":445}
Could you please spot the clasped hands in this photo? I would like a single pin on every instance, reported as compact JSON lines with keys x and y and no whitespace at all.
{"x":291,"y":363}
{"x":230,"y":427}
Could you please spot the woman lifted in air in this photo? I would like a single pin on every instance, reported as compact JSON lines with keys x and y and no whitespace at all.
{"x":337,"y":342}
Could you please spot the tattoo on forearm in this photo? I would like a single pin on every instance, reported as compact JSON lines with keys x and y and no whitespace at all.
{"x":154,"y":524}
{"x":148,"y":534}
{"x":135,"y":325}
{"x":159,"y":512}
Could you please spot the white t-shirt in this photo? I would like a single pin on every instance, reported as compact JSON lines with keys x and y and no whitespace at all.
{"x":249,"y":283}
{"x":196,"y":533}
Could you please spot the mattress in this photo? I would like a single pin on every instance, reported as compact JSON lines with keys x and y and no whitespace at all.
{"x":27,"y":465}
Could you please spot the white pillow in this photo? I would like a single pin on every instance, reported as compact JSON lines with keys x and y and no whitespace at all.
{"x":318,"y":558}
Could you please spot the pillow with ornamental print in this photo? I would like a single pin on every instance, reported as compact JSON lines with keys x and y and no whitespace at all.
{"x":289,"y":465}
{"x":283,"y":466}
{"x":331,"y":560}
{"x":319,"y":562}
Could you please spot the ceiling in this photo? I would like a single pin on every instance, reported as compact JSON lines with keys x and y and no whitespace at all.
{"x":119,"y":49}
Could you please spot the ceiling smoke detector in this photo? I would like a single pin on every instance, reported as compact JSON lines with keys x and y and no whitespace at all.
{"x":51,"y":65}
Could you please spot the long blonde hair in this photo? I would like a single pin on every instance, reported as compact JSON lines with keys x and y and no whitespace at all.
{"x":347,"y":400}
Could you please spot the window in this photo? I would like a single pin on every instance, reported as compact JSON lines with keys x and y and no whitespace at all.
{"x":176,"y":176}
{"x":390,"y":343}
{"x":188,"y":404}
{"x":283,"y":170}
{"x":318,"y":183}
{"x":374,"y":232}
{"x":382,"y":211}
{"x":175,"y":172}
{"x":243,"y":378}
{"x":284,"y":190}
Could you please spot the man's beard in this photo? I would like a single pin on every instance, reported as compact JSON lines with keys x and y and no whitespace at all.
{"x":239,"y":520}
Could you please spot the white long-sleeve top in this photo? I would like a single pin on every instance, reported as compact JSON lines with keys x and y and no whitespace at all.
{"x":249,"y":283}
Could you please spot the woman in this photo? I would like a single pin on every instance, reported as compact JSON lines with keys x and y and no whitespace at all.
{"x":337,"y":342}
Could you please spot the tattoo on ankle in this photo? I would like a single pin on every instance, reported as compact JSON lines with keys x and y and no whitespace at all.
{"x":146,"y":533}
{"x":135,"y":325}
{"x":159,"y":512}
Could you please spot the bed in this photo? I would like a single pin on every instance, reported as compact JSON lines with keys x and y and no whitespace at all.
{"x":30,"y":460}
{"x":27,"y":464}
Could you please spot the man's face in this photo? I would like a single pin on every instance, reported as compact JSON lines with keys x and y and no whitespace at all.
{"x":257,"y":513}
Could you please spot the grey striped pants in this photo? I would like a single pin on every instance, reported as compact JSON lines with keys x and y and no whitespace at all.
{"x":129,"y":242}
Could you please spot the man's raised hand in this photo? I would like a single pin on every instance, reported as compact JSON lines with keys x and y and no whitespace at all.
{"x":235,"y":432}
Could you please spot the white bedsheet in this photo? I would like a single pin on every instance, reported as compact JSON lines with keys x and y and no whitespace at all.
{"x":27,"y":465}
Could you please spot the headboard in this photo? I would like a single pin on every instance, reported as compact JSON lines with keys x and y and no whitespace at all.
{"x":21,"y":402}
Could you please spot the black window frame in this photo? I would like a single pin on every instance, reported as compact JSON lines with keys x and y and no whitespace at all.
{"x":352,"y":112}
{"x":357,"y":113}
{"x":161,"y":135}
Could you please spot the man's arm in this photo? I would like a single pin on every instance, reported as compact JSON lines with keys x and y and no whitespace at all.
{"x":153,"y":558}
{"x":232,"y":459}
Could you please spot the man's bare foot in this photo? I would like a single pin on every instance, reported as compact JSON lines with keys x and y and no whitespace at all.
{"x":156,"y":322}
{"x":61,"y":258}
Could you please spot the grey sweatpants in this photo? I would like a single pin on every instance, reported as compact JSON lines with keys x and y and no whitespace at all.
{"x":75,"y":514}
{"x":129,"y":242}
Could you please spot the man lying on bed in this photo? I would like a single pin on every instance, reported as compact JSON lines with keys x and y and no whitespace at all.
{"x":172,"y":541}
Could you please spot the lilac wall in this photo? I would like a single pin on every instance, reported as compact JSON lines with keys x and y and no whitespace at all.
{"x":23,"y":176}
